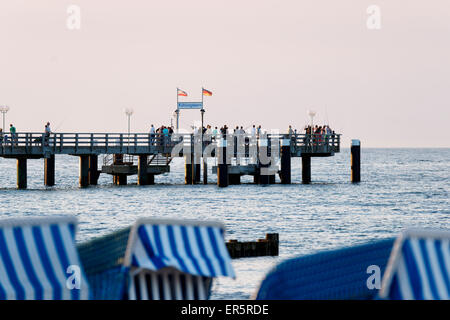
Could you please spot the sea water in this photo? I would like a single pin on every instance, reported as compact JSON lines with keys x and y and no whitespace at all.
{"x":400,"y":188}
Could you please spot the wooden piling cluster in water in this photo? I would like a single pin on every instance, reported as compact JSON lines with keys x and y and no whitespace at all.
{"x":257,"y":156}
{"x":261,"y":247}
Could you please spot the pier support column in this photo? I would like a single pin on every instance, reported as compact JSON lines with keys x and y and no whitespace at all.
{"x":264,"y":161}
{"x":306,"y":169}
{"x":197,"y":169}
{"x":49,"y":171}
{"x":189,"y":169}
{"x":150,"y":178}
{"x":222,"y":166}
{"x":120,"y":179}
{"x":93,"y":170}
{"x":142,"y":170}
{"x":84,"y":171}
{"x":205,"y":170}
{"x":285,"y":174}
{"x":234,"y":179}
{"x":21,"y":173}
{"x":356,"y":160}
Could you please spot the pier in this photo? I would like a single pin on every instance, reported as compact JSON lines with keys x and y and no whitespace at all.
{"x":147,"y":155}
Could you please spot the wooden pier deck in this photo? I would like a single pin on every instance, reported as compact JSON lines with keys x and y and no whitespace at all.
{"x":151,"y":149}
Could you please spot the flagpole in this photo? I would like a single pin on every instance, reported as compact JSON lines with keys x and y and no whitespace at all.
{"x":177,"y":110}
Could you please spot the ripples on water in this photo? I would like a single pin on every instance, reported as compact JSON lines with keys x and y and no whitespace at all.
{"x":400,"y":188}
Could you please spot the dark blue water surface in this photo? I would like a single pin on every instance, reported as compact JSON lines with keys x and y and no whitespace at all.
{"x":400,"y":188}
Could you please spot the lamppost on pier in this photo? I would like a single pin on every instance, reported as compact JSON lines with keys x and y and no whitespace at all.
{"x":129,"y":112}
{"x":311,"y":113}
{"x":4,"y":110}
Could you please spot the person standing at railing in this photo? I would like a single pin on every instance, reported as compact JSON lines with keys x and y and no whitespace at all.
{"x":47,"y":132}
{"x":12,"y":131}
{"x":152,"y":134}
{"x":1,"y":137}
{"x":165,"y":132}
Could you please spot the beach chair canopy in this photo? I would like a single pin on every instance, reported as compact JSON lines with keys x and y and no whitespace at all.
{"x":158,"y":259}
{"x":333,"y":274}
{"x":419,"y":266}
{"x":39,"y":260}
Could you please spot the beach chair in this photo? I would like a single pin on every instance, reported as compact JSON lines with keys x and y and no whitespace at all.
{"x":332,"y":274}
{"x":419,"y":267}
{"x":157,"y":260}
{"x":39,"y":260}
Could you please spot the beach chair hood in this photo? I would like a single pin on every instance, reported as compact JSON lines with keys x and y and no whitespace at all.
{"x":419,"y":266}
{"x":39,"y":260}
{"x":192,"y":247}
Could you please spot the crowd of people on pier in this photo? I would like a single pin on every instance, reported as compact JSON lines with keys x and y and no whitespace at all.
{"x":316,"y":135}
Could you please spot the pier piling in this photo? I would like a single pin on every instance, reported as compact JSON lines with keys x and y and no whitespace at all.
{"x":189,"y":169}
{"x":285,"y":172}
{"x":356,"y":160}
{"x":205,"y":170}
{"x":84,"y":171}
{"x":222,"y":166}
{"x":119,"y":179}
{"x":49,"y":171}
{"x":142,"y":170}
{"x":197,"y":169}
{"x":93,"y":170}
{"x":306,"y":169}
{"x":21,"y":173}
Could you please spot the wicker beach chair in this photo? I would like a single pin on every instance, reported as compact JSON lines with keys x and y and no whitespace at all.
{"x":419,"y":266}
{"x":157,"y":260}
{"x":334,"y":274}
{"x":39,"y":260}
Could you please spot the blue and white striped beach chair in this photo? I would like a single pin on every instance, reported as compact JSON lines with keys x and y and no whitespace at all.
{"x":332,"y":274}
{"x":419,"y":267}
{"x":39,"y":260}
{"x":157,"y":260}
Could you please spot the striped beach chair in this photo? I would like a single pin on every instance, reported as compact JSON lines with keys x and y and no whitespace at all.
{"x":157,"y":260}
{"x":333,"y":274}
{"x":419,"y":267}
{"x":39,"y":260}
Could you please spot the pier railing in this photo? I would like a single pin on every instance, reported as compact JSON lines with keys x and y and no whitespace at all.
{"x":39,"y":144}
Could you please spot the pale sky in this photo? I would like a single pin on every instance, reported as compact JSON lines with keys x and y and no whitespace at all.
{"x":266,"y":62}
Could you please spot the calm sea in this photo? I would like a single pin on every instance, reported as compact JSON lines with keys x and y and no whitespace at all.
{"x":400,"y":188}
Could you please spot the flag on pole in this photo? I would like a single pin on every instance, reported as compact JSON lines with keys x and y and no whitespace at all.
{"x":206,"y":92}
{"x":182,"y":93}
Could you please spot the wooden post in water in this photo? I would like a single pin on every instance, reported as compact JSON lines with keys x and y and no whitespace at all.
{"x":93,"y":169}
{"x":356,"y":160}
{"x":21,"y":173}
{"x":142,"y":170}
{"x":285,"y":174}
{"x":84,"y":171}
{"x":49,"y":171}
{"x":306,"y":169}
{"x":222,"y":166}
